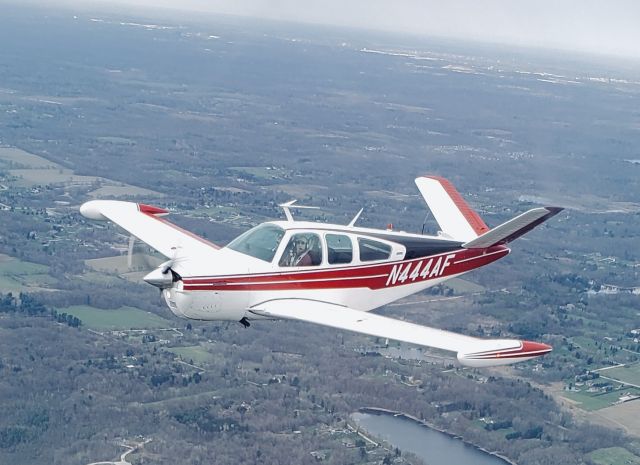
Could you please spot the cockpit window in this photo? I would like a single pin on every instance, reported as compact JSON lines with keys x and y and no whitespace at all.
{"x":303,"y":249}
{"x":260,"y":242}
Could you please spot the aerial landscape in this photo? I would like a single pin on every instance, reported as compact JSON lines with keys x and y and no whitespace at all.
{"x":221,"y":119}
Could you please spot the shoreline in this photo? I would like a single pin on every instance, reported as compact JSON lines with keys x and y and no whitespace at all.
{"x":426,"y":424}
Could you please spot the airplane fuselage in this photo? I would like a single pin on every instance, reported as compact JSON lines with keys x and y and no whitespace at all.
{"x":330,"y":274}
{"x":236,"y":282}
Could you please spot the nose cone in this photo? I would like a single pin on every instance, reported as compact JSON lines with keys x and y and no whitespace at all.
{"x":159,"y":279}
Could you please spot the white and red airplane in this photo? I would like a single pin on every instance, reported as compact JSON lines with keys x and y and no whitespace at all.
{"x":330,"y":274}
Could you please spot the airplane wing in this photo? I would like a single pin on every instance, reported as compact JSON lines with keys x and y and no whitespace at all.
{"x":471,"y":351}
{"x":146,"y":223}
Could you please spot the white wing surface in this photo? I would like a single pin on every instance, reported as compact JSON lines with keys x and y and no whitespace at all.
{"x":146,"y":223}
{"x":470,"y":351}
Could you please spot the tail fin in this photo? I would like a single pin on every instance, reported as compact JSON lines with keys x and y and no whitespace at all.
{"x":458,"y":221}
{"x":454,"y":216}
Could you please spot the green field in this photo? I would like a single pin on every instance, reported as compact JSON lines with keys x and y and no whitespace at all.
{"x":614,"y":456}
{"x":262,"y":172}
{"x":16,"y":158}
{"x":585,"y":342}
{"x":118,"y":264}
{"x":123,"y":191}
{"x":462,"y":286}
{"x":38,"y":176}
{"x":595,"y":401}
{"x":17,"y":276}
{"x":104,"y":279}
{"x":196,"y":353}
{"x":121,"y":318}
{"x":627,"y":374}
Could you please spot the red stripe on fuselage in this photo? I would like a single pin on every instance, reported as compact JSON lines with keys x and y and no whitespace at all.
{"x":367,"y":276}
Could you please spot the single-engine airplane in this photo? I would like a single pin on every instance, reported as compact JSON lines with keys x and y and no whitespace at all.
{"x":330,"y":274}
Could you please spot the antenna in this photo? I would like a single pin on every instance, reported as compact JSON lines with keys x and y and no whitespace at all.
{"x":424,"y":223}
{"x":288,"y":205}
{"x":355,"y":218}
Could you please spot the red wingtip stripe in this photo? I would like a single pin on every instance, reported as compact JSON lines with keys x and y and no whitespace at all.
{"x":527,"y":349}
{"x":470,"y":215}
{"x":528,"y":346}
{"x":151,"y":210}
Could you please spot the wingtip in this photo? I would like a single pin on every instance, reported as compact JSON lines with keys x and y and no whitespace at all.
{"x":91,"y":210}
{"x":538,"y":348}
{"x":554,"y":210}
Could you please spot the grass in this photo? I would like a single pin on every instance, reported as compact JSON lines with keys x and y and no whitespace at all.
{"x":196,"y":353}
{"x":595,"y":401}
{"x":462,"y":286}
{"x":261,"y":172}
{"x":16,"y":158}
{"x":614,"y":456}
{"x":39,"y":176}
{"x":123,"y":191}
{"x":584,"y":342}
{"x":627,"y":374}
{"x":30,"y":170}
{"x":118,"y":263}
{"x":16,"y":275}
{"x":121,"y":318}
{"x":97,"y":277}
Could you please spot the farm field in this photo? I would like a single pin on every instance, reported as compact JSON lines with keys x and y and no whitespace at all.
{"x":196,"y":353}
{"x":627,"y":374}
{"x":614,"y":456}
{"x":595,"y":401}
{"x":17,"y":276}
{"x":118,"y":264}
{"x":462,"y":286}
{"x":15,"y":158}
{"x":116,"y":319}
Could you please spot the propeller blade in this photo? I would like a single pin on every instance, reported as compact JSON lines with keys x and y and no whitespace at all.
{"x":132,"y":241}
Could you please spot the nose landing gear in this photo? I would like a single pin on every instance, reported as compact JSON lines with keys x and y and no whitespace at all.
{"x":244,"y":322}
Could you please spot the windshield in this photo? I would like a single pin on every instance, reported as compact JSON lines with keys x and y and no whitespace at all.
{"x":260,"y":242}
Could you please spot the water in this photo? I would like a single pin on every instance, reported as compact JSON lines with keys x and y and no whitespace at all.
{"x":432,"y":446}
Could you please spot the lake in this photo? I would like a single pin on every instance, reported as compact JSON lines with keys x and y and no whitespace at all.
{"x":432,"y":446}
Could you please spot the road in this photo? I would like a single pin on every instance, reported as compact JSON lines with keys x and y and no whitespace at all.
{"x":123,"y":456}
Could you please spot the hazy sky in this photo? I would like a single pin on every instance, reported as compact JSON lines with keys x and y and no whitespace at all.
{"x":607,"y":27}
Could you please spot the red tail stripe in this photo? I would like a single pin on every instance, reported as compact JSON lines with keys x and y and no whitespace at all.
{"x":470,"y":215}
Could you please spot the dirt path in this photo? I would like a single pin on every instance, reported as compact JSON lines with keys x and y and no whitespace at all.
{"x":123,"y":456}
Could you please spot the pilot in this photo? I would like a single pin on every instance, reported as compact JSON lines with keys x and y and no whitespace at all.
{"x":302,"y":256}
{"x":298,"y":255}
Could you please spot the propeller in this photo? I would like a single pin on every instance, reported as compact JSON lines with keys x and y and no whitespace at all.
{"x":165,"y":276}
{"x":132,"y":241}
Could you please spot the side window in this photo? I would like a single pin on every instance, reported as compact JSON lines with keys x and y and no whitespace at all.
{"x":303,"y":249}
{"x":339,"y":249}
{"x":373,"y":250}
